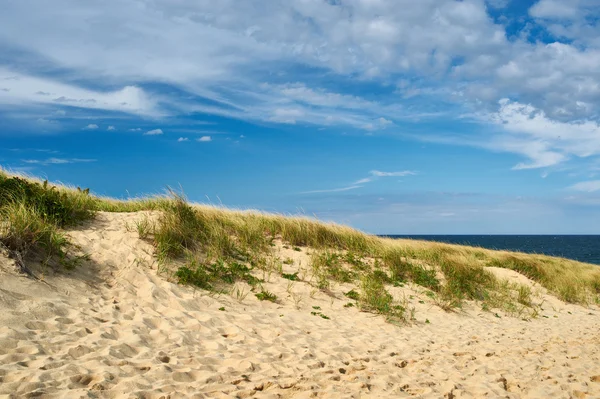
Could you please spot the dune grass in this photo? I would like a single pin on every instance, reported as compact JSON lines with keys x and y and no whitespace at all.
{"x":213,"y":247}
{"x":33,"y":214}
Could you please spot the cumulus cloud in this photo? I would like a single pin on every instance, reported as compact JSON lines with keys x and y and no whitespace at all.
{"x":182,"y":139}
{"x":204,"y":139}
{"x":91,"y":126}
{"x":544,"y":140}
{"x":110,"y":128}
{"x":154,"y":132}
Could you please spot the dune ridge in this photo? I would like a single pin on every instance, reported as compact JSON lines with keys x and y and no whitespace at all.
{"x":114,"y":328}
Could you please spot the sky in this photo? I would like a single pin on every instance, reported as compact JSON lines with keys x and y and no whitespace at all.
{"x":392,"y":116}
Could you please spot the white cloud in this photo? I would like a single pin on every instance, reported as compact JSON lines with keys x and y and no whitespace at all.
{"x":393,"y":174}
{"x":137,"y":129}
{"x":587,"y":186}
{"x":447,"y":52}
{"x":204,"y":139}
{"x":286,"y":115}
{"x":334,"y":190}
{"x":57,"y":161}
{"x":376,"y":174}
{"x":25,"y":90}
{"x":110,"y":128}
{"x":91,"y":126}
{"x":154,"y":132}
{"x":554,"y":9}
{"x":181,"y":139}
{"x":544,"y":140}
{"x":364,"y":181}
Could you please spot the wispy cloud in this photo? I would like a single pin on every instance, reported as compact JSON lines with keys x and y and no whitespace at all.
{"x":375,"y":174}
{"x":333,"y":190}
{"x":587,"y":186}
{"x":26,"y":90}
{"x":393,"y":174}
{"x":57,"y":161}
{"x":91,"y":126}
{"x":154,"y":132}
{"x":182,"y":139}
{"x":110,"y":128}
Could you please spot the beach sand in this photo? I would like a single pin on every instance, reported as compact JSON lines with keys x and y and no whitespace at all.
{"x":115,"y":328}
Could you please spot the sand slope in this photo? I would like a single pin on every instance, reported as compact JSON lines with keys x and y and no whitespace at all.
{"x":114,"y":329}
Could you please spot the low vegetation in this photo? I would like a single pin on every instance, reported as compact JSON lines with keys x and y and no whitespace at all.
{"x":33,"y":214}
{"x":213,"y":248}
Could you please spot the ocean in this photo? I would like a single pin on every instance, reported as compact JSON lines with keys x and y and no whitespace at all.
{"x":584,"y":248}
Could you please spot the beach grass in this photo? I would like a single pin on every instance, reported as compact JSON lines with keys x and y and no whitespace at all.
{"x":212,"y":247}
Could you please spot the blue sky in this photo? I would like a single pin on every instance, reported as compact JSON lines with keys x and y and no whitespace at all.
{"x":393,"y":116}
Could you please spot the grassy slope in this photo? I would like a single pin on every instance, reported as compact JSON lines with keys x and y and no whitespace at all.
{"x":213,"y":247}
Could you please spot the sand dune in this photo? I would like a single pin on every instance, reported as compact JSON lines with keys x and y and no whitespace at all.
{"x":115,"y":328}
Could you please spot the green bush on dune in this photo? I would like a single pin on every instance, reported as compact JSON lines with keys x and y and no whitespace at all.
{"x":32,"y":215}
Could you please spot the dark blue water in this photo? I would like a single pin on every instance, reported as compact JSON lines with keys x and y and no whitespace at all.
{"x":581,"y":248}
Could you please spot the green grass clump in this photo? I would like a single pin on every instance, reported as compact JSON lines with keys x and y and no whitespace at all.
{"x":375,"y":298}
{"x":32,"y":215}
{"x":328,"y":266}
{"x":352,"y":294}
{"x":266,"y":296}
{"x":60,"y":207}
{"x":402,"y":270}
{"x":465,"y":281}
{"x":214,"y":276}
{"x":291,"y":277}
{"x":357,"y":262}
{"x":425,"y":278}
{"x":323,"y":316}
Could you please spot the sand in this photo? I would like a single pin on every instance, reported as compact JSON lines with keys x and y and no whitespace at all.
{"x":115,"y":328}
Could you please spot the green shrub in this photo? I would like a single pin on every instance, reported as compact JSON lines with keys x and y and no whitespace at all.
{"x":212,"y":276}
{"x":328,"y":265}
{"x":375,"y":298}
{"x":291,"y":277}
{"x":32,"y":213}
{"x":467,"y":281}
{"x":425,"y":278}
{"x":352,"y":294}
{"x":266,"y":296}
{"x":60,"y":207}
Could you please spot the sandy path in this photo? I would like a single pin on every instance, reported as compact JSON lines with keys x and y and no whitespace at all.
{"x":115,"y":329}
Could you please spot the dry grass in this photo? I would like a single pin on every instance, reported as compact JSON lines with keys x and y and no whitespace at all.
{"x":205,"y":236}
